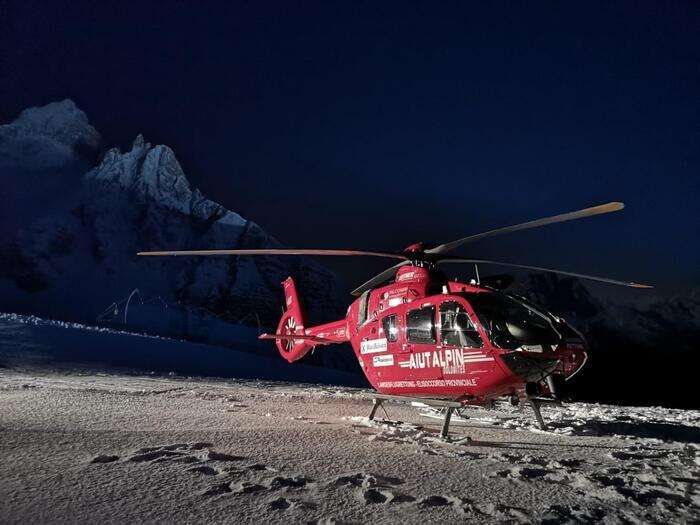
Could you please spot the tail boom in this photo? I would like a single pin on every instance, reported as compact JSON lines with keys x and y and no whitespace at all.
{"x":293,"y":340}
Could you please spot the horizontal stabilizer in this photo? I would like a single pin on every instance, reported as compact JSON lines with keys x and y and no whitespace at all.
{"x":299,"y":337}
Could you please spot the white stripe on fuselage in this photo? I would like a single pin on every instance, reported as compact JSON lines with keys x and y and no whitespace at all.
{"x":407,"y":364}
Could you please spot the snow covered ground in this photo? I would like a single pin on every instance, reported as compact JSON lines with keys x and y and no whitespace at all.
{"x":111,"y":446}
{"x":29,"y":342}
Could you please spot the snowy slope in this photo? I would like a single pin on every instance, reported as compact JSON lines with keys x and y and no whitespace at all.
{"x":31,"y":343}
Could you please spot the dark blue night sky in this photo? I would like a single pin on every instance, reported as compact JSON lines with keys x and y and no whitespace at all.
{"x":355,"y":125}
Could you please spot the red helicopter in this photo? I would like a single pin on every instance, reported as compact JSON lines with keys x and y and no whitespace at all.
{"x":443,"y":343}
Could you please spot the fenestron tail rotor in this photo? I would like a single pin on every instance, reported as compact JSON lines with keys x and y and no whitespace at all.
{"x":417,"y":256}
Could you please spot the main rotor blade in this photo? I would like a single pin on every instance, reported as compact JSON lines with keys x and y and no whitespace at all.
{"x":296,"y":337}
{"x":378,"y":279}
{"x":275,"y":251}
{"x":587,"y":212}
{"x":540,"y":269}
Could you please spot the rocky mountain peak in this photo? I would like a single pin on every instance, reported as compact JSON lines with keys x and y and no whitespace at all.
{"x":61,"y":121}
{"x":153,"y":174}
{"x":139,"y":142}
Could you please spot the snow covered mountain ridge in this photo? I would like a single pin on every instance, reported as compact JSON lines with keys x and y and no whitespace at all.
{"x":153,"y":172}
{"x":47,"y":136}
{"x":72,"y":226}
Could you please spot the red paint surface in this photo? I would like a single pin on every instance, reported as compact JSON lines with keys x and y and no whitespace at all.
{"x":436,"y":370}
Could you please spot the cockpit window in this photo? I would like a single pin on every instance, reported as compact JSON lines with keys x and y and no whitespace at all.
{"x":391,"y":330}
{"x":456,"y":328}
{"x":420,"y":327}
{"x":510,"y":323}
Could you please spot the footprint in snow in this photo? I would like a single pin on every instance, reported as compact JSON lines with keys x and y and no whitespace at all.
{"x":567,"y":463}
{"x":535,"y":460}
{"x":180,"y":452}
{"x":557,"y":514}
{"x":260,"y":466}
{"x":365,"y":480}
{"x":532,"y":473}
{"x":385,"y":496}
{"x":399,"y":497}
{"x":296,"y":482}
{"x":374,"y":489}
{"x":212,"y":455}
{"x":279,"y":504}
{"x":434,"y":501}
{"x":204,"y":470}
{"x":282,"y":504}
{"x":505,"y":513}
{"x":508,"y":457}
{"x":187,"y":453}
{"x":246,"y":487}
{"x":102,"y":458}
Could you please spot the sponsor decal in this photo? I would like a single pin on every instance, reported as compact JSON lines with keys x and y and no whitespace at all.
{"x":373,"y":346}
{"x":395,"y":301}
{"x":396,"y":292}
{"x":383,"y":360}
{"x":451,"y":361}
{"x":408,"y":276}
{"x":338,"y":332}
{"x":428,"y":383}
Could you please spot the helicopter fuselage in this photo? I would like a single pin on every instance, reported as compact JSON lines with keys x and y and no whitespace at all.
{"x":422,"y":337}
{"x":426,"y":337}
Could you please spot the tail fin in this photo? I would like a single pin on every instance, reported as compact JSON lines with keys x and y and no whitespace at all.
{"x":292,"y":323}
{"x":293,"y":339}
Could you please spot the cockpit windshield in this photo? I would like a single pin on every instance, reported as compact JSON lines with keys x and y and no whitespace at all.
{"x":509,"y":323}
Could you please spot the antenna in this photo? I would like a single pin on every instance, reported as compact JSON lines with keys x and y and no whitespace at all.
{"x":478,"y":280}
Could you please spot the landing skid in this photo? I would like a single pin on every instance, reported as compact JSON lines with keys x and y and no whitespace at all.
{"x":449,"y":407}
{"x":535,"y":402}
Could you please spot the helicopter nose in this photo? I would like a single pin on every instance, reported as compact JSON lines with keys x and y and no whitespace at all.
{"x":529,"y":369}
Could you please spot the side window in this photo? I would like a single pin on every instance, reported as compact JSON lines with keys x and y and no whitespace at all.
{"x":420,"y":326}
{"x":391,"y":330}
{"x":456,"y":328}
